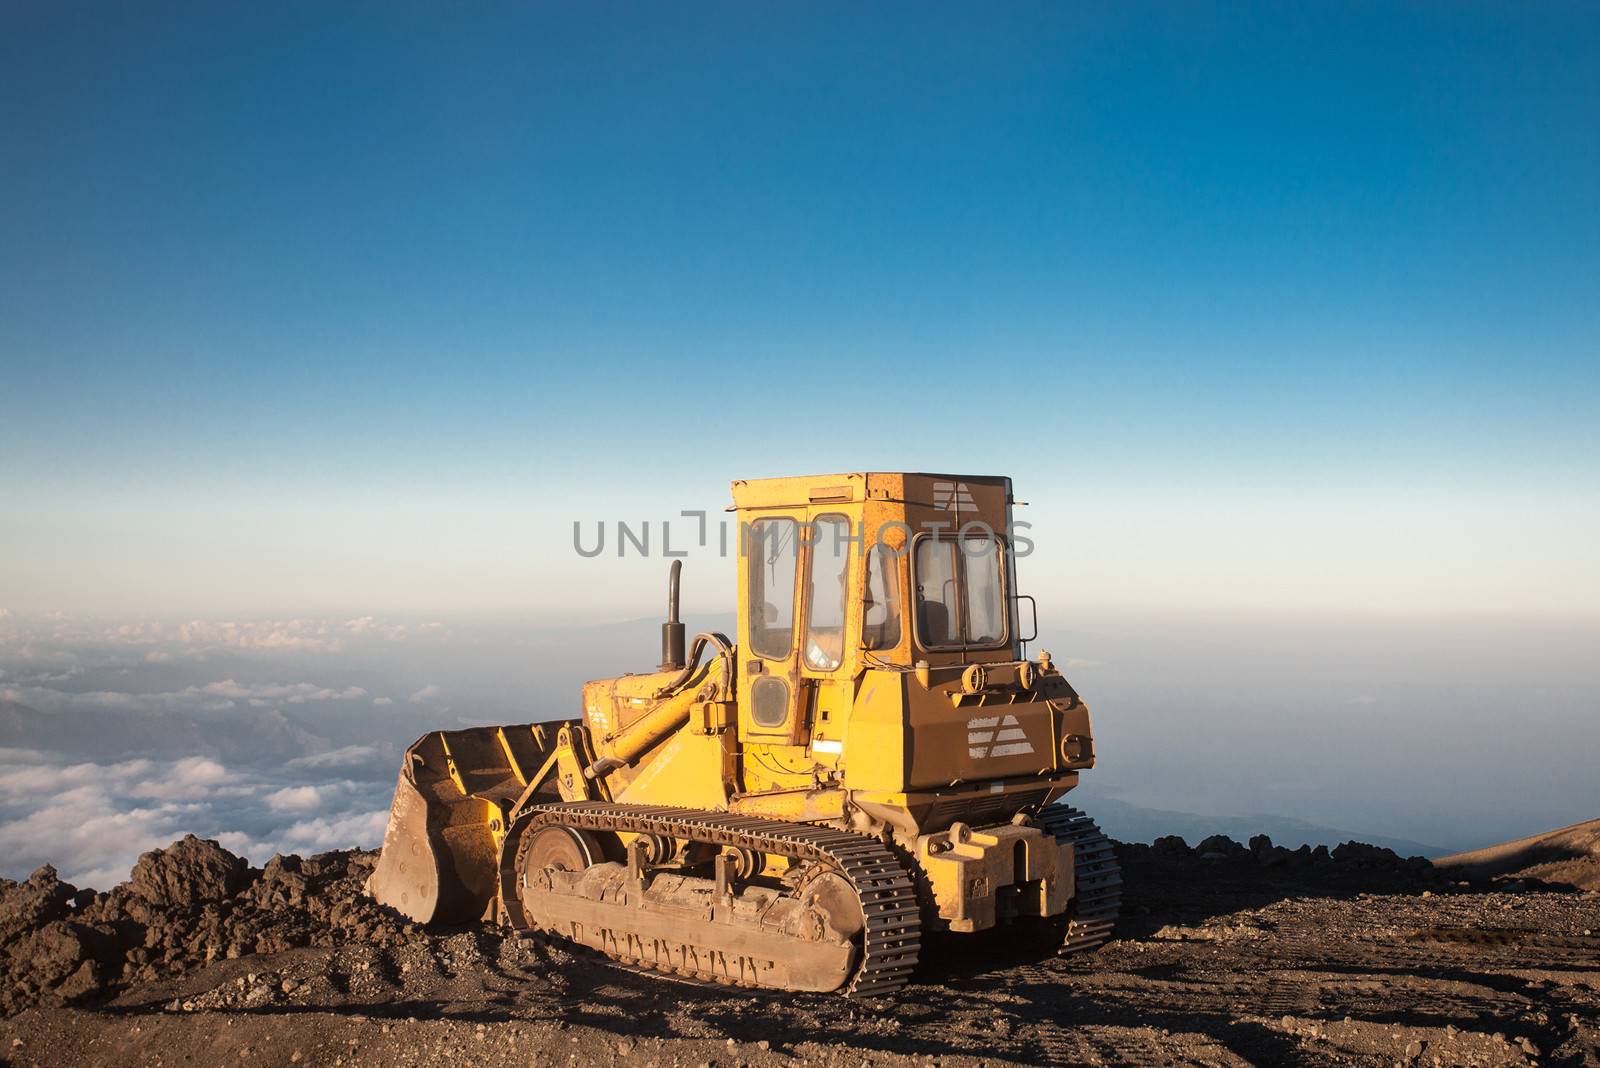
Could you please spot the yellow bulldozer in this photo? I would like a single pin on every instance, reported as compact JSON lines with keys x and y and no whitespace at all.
{"x":875,"y":758}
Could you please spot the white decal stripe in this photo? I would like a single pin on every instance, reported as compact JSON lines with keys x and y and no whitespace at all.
{"x":1013,"y":749}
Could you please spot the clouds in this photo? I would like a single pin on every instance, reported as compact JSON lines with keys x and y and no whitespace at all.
{"x":92,"y":820}
{"x":212,"y":697}
{"x":299,"y":635}
{"x":164,"y":640}
{"x":335,"y":832}
{"x":349,"y":756}
{"x":295,"y":799}
{"x":273,"y":635}
{"x":182,"y":780}
{"x":266,"y":735}
{"x":60,"y":663}
{"x":295,"y":693}
{"x":27,"y":774}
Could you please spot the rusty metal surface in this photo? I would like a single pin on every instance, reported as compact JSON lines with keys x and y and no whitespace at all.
{"x":440,"y":846}
{"x":406,"y":877}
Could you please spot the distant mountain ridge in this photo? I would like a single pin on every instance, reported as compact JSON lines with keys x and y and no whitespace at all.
{"x":1568,"y":856}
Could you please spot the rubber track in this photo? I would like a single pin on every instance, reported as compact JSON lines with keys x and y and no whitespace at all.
{"x":892,"y":938}
{"x":1098,"y":878}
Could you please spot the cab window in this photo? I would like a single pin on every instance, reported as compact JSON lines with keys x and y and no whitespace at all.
{"x":827,"y":592}
{"x":772,"y":552}
{"x":937,"y":623}
{"x":881,"y":615}
{"x":960,"y":596}
{"x":984,"y":615}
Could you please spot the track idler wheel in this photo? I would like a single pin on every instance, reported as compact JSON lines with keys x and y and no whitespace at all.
{"x":833,"y":901}
{"x":546,"y":849}
{"x":561,"y":848}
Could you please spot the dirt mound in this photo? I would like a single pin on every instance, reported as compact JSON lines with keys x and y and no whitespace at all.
{"x":1566,"y":858}
{"x":183,"y":906}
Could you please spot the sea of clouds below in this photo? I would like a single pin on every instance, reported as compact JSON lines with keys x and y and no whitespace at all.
{"x":118,"y":736}
{"x":92,"y":820}
{"x":268,"y":735}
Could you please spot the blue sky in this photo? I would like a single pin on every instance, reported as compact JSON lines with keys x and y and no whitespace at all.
{"x":357,"y":307}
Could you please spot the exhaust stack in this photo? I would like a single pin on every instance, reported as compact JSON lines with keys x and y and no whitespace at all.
{"x":672,"y":629}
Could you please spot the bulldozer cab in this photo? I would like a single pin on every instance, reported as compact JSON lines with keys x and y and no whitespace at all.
{"x":843,"y":573}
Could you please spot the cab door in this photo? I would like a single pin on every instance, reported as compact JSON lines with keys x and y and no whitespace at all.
{"x":770,"y":689}
{"x":829,"y":626}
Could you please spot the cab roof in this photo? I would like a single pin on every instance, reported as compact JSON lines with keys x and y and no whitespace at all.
{"x":904,"y":486}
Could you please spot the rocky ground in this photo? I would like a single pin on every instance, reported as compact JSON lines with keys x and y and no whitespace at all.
{"x":1227,"y":954}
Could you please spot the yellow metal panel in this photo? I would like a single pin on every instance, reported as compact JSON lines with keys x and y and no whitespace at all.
{"x":966,"y":869}
{"x":798,"y":492}
{"x":874,"y":747}
{"x":796,"y":806}
{"x":776,"y":767}
{"x":688,"y":772}
{"x":976,"y":742}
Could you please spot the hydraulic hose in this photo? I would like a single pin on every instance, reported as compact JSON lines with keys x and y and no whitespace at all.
{"x":724,"y":646}
{"x":665,"y":716}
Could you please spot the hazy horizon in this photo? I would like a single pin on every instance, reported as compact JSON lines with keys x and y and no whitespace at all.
{"x":286,"y":734}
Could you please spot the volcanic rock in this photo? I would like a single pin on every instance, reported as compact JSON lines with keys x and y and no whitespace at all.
{"x":189,"y":872}
{"x":27,"y":905}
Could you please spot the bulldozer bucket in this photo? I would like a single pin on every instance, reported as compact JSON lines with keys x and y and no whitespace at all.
{"x":440,"y":859}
